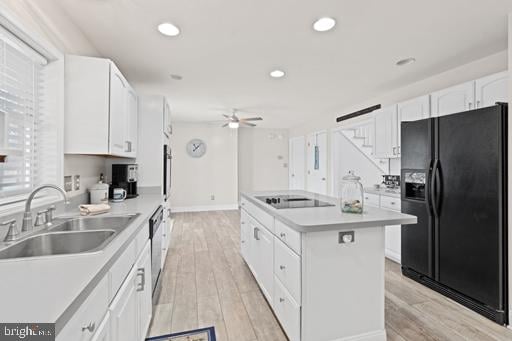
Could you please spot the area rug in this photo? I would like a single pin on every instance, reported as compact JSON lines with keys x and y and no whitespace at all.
{"x":204,"y":334}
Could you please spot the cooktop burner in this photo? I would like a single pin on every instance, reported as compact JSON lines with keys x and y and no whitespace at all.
{"x":292,"y":201}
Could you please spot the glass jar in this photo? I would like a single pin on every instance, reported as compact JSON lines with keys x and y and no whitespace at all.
{"x":351,"y":194}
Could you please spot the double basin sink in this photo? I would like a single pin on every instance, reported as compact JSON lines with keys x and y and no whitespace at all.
{"x":69,"y":236}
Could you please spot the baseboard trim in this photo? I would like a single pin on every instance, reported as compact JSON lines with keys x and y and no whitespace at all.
{"x":395,"y":257}
{"x":180,"y":209}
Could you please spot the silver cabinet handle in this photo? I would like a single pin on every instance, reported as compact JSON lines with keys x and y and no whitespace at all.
{"x":282,"y":235}
{"x":282,"y":267}
{"x":142,"y":273}
{"x":90,"y":327}
{"x":281,"y":299}
{"x":394,"y":150}
{"x":256,"y":233}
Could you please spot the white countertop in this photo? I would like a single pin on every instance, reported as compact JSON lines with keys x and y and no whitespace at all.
{"x":395,"y":193}
{"x":312,"y":219}
{"x":41,"y":289}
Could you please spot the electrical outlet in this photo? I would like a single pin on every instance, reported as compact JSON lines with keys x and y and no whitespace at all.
{"x":68,"y":183}
{"x":76,"y":182}
{"x":212,"y":197}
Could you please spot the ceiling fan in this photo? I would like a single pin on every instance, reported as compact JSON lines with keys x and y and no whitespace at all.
{"x":234,"y":121}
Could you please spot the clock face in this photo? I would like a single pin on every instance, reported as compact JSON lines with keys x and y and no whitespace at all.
{"x":196,"y":148}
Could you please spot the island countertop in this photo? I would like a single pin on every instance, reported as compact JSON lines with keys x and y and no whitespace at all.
{"x":313,"y":219}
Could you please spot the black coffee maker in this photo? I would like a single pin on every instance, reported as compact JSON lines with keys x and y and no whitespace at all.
{"x":125,"y":177}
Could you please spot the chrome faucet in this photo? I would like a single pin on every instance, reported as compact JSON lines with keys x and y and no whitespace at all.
{"x":27,"y":216}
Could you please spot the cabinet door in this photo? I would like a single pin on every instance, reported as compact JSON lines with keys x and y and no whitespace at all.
{"x":264,"y":259}
{"x":453,"y":100}
{"x":245,"y":237}
{"x":386,"y":134}
{"x":492,"y":89}
{"x":124,"y":316}
{"x":131,"y":123}
{"x":103,"y":331}
{"x":118,"y":94}
{"x":413,"y":110}
{"x":143,"y":288}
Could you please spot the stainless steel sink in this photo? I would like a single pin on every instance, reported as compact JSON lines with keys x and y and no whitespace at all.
{"x":116,"y":223}
{"x":60,"y":243}
{"x":69,"y":235}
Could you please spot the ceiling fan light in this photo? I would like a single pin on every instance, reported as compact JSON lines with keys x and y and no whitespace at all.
{"x":234,"y":125}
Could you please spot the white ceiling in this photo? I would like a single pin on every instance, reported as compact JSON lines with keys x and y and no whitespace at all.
{"x":227,"y":48}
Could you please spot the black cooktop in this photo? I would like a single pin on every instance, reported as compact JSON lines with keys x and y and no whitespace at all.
{"x":292,"y":201}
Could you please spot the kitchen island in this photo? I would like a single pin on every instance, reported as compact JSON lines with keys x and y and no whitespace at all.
{"x":321,"y":270}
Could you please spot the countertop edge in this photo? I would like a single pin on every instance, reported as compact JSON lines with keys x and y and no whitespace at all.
{"x":326,"y":227}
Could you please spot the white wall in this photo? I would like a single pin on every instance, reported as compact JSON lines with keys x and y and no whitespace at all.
{"x":485,"y":66}
{"x":262,"y":159}
{"x":195,"y":180}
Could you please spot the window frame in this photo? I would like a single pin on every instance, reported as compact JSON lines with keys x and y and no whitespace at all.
{"x":11,"y":23}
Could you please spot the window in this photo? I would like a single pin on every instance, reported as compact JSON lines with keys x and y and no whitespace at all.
{"x":29,"y":134}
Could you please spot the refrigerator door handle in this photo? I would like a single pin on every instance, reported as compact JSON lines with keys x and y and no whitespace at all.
{"x":428,"y":196}
{"x":434,"y":177}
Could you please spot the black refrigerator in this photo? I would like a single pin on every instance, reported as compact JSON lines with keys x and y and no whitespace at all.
{"x":454,"y":179}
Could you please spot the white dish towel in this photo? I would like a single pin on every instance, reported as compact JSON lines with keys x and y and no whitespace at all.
{"x":94,"y":209}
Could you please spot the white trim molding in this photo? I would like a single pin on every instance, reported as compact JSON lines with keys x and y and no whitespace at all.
{"x":204,"y":208}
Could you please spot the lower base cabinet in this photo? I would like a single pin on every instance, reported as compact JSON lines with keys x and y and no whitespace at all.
{"x":287,"y":311}
{"x":128,"y":315}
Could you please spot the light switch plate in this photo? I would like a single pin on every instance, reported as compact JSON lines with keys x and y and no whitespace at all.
{"x":68,"y":183}
{"x":76,"y":182}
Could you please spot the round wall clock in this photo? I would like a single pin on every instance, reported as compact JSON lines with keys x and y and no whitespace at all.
{"x":196,"y":148}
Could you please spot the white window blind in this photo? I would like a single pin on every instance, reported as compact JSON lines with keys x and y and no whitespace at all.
{"x":26,"y":131}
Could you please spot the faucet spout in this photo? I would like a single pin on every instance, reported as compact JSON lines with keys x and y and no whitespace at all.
{"x":27,"y":216}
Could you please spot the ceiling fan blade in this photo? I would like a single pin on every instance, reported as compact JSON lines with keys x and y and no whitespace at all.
{"x":247,"y":124}
{"x":227,"y":116}
{"x":225,"y":125}
{"x":252,"y":119}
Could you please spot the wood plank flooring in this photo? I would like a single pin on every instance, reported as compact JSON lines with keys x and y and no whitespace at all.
{"x":206,"y":283}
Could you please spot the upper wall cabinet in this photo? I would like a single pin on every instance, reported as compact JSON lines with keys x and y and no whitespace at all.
{"x":491,"y":89}
{"x":412,"y":110}
{"x":101,"y":109}
{"x":453,"y":100}
{"x":386,"y":144}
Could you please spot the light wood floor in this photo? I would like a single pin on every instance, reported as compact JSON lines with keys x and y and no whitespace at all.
{"x":206,"y":283}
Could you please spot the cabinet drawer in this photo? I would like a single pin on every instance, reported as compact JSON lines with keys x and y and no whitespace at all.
{"x":287,"y":268}
{"x":260,"y":215}
{"x":372,"y":199}
{"x":121,"y":268}
{"x":287,"y":311}
{"x":289,"y":236}
{"x":86,"y":321}
{"x":390,"y":203}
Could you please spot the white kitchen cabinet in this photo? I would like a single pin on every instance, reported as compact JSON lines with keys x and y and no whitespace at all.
{"x":263,"y":251}
{"x":101,"y":109}
{"x":103,"y":331}
{"x":245,"y":236}
{"x":491,"y":89}
{"x":453,"y":100}
{"x":124,"y":315}
{"x":412,"y":110}
{"x":144,"y":291}
{"x":386,"y":143}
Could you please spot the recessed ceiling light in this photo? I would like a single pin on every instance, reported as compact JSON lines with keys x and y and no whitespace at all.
{"x":277,"y":73}
{"x":406,"y":61}
{"x":176,"y":77}
{"x":324,"y":24}
{"x":168,"y":29}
